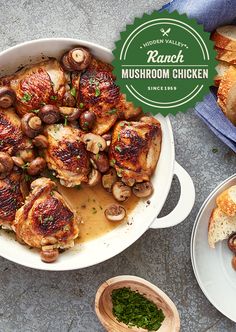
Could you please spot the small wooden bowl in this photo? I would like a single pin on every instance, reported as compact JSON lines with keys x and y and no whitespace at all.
{"x":103,"y":304}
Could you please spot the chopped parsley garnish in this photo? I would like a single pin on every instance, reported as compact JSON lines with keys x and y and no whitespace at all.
{"x":81,"y":105}
{"x":52,"y":193}
{"x":119,"y":137}
{"x":118,"y":148}
{"x":25,"y":166}
{"x":73,"y":92}
{"x":65,"y":120}
{"x":27,"y":97}
{"x":1,"y":142}
{"x":27,"y":177}
{"x":99,"y":145}
{"x":35,"y":111}
{"x":91,"y":81}
{"x":47,"y":219}
{"x":122,"y":124}
{"x":112,"y":162}
{"x":53,"y":97}
{"x":112,"y":111}
{"x":134,"y":309}
{"x":97,"y":92}
{"x":78,"y":186}
{"x":42,"y":103}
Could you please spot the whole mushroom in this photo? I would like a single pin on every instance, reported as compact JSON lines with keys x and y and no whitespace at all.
{"x":143,"y":189}
{"x":49,"y":114}
{"x":101,"y":161}
{"x":31,"y":125}
{"x":7,"y":97}
{"x":115,"y":212}
{"x":6,"y":164}
{"x":120,"y":191}
{"x":40,"y":141}
{"x":232,"y":243}
{"x":69,"y":100}
{"x":94,"y":143}
{"x":49,"y":255}
{"x":109,"y":179}
{"x":76,"y":59}
{"x":70,"y":113}
{"x":87,"y":120}
{"x":36,"y":166}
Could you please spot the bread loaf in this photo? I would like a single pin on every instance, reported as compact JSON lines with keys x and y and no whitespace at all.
{"x":225,"y":37}
{"x":226,"y":201}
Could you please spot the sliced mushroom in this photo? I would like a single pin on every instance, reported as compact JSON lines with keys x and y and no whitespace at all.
{"x":94,"y":143}
{"x":79,"y":58}
{"x":120,"y":191}
{"x":109,"y":179}
{"x":232,"y":243}
{"x":40,"y":141}
{"x":107,"y":137}
{"x":101,"y":161}
{"x":31,"y":125}
{"x":127,"y":180}
{"x":94,"y":177}
{"x":87,"y":120}
{"x":115,"y":212}
{"x":18,"y":161}
{"x":69,"y":100}
{"x":143,"y":189}
{"x":48,"y":240}
{"x":70,"y":113}
{"x":6,"y":164}
{"x":49,"y":256}
{"x":36,"y":166}
{"x":49,"y":114}
{"x":7,"y":97}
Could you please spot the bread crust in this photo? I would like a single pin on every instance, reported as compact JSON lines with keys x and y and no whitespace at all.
{"x":226,"y":203}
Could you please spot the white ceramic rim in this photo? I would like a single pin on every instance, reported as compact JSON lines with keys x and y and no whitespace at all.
{"x":165,"y":191}
{"x":193,"y":260}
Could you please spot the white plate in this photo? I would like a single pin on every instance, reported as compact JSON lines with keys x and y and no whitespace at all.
{"x":212,"y":267}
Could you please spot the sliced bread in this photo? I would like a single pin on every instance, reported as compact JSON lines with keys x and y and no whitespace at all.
{"x":225,"y":55}
{"x":225,"y":37}
{"x":221,"y":68}
{"x":220,"y":227}
{"x":226,"y":201}
{"x":227,"y":94}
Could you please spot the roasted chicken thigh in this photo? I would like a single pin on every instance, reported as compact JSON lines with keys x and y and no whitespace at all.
{"x":45,"y":220}
{"x":39,"y":84}
{"x":135,"y":149}
{"x":66,"y":154}
{"x":12,"y":193}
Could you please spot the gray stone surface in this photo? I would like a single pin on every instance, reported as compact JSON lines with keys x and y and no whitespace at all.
{"x":33,"y":300}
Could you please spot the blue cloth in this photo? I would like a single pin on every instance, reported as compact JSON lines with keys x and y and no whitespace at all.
{"x":211,"y":13}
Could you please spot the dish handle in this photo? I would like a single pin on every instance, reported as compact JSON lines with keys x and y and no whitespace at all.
{"x":185,"y":203}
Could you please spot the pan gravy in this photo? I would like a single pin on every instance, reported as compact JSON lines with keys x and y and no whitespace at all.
{"x":90,"y":204}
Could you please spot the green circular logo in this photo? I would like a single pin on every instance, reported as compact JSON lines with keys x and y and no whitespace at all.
{"x":164,"y":62}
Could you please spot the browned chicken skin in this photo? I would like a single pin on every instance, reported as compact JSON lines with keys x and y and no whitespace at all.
{"x":135,"y":149}
{"x":39,"y":84}
{"x":12,"y":193}
{"x":66,"y":154}
{"x":46,"y":218}
{"x":11,"y":135}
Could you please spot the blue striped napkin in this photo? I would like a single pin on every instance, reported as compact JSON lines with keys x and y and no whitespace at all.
{"x":210,"y":13}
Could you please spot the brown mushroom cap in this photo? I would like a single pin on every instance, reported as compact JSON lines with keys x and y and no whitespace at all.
{"x":6,"y":164}
{"x":31,"y":125}
{"x":87,"y":120}
{"x":94,"y":177}
{"x":18,"y":161}
{"x":115,"y":212}
{"x":234,"y":263}
{"x":94,"y":143}
{"x":101,"y":161}
{"x":79,"y":58}
{"x":65,"y":63}
{"x":7,"y":97}
{"x":40,"y":141}
{"x":49,"y":114}
{"x":27,"y":155}
{"x":120,"y":191}
{"x":232,"y":243}
{"x":109,"y":179}
{"x":71,"y":113}
{"x":49,"y":256}
{"x":69,"y":100}
{"x":143,"y":189}
{"x":36,"y":166}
